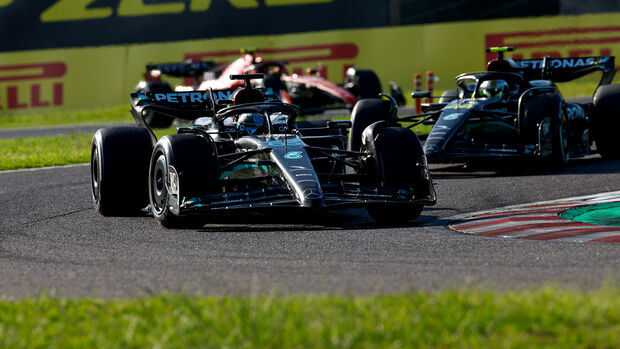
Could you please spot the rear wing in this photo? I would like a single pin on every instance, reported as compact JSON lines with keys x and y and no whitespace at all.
{"x":564,"y":69}
{"x":187,"y":105}
{"x":183,"y":70}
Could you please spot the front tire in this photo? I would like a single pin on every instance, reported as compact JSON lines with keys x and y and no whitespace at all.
{"x":400,"y":157}
{"x":559,"y":150}
{"x":195,"y":162}
{"x":365,"y":113}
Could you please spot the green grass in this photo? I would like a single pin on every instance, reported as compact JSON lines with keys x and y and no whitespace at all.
{"x":116,"y":114}
{"x":50,"y":151}
{"x":446,"y":319}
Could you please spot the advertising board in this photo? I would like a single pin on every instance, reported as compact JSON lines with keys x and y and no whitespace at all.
{"x":102,"y":76}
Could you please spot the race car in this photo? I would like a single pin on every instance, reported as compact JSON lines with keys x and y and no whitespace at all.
{"x":515,"y":110}
{"x":246,"y":152}
{"x":311,"y":92}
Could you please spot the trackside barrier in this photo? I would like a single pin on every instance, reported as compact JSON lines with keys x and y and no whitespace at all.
{"x":417,"y":81}
{"x":36,"y":81}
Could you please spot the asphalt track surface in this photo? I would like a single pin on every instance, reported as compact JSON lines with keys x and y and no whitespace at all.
{"x":52,"y":240}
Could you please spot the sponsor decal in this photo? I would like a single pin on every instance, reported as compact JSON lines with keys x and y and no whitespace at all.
{"x":452,"y":116}
{"x":32,"y":85}
{"x":569,"y":40}
{"x":72,"y":10}
{"x":575,"y":112}
{"x":558,"y":63}
{"x":194,"y":97}
{"x":82,"y":23}
{"x":292,"y":155}
{"x":311,"y":194}
{"x":459,"y":105}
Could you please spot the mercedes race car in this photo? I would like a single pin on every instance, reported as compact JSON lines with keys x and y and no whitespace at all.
{"x":312,"y":92}
{"x":247,"y":152}
{"x":515,"y":110}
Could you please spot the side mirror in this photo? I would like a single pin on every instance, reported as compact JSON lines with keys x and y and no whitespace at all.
{"x":422,"y":94}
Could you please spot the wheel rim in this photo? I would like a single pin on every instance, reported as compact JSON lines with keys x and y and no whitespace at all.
{"x":159,"y":192}
{"x":94,"y":173}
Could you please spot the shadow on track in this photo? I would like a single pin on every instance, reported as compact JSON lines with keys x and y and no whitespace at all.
{"x":592,"y":164}
{"x":296,"y":220}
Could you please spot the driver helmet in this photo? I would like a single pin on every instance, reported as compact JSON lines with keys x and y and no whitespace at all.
{"x":493,"y":88}
{"x":250,"y":123}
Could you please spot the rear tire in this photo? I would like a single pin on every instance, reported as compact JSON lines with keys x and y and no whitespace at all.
{"x":605,"y":121}
{"x":364,"y":83}
{"x":195,"y":162}
{"x":119,"y":169}
{"x":399,"y":152}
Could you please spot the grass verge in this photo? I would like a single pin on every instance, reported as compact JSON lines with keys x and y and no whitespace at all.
{"x":50,"y":151}
{"x":95,"y":116}
{"x":465,"y":318}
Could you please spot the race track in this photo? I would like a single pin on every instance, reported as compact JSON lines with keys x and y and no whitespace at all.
{"x":52,"y":240}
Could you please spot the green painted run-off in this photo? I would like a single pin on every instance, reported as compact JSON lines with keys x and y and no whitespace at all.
{"x":607,"y":213}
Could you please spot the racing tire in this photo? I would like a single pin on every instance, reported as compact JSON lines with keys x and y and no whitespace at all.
{"x":153,"y":119}
{"x":536,"y":109}
{"x":366,"y":84}
{"x":559,"y":139}
{"x":365,"y":113}
{"x":119,"y":168}
{"x":195,"y":162}
{"x":448,"y":96}
{"x":399,"y":151}
{"x":605,"y":121}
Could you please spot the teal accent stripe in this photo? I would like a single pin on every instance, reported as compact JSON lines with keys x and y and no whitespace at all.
{"x":239,"y":168}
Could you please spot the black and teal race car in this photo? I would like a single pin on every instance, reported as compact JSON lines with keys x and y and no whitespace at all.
{"x":243,"y":151}
{"x":515,"y":110}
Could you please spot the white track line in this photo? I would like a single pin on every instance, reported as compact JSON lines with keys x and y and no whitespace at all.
{"x":44,"y":168}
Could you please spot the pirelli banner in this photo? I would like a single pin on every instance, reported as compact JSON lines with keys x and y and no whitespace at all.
{"x":104,"y":75}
